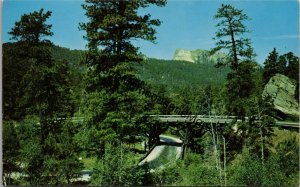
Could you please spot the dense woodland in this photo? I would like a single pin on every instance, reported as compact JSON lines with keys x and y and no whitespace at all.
{"x":112,"y":90}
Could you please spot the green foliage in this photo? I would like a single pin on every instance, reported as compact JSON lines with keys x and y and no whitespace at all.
{"x":33,"y":51}
{"x":118,"y":166}
{"x":60,"y":165}
{"x":286,"y":64}
{"x":14,"y":68}
{"x":239,"y":87}
{"x":29,"y":131}
{"x":117,"y":24}
{"x":50,"y":89}
{"x":288,"y":153}
{"x":231,"y":26}
{"x":270,"y":66}
{"x":122,"y":121}
{"x":248,"y":170}
{"x":19,"y":69}
{"x":192,"y":171}
{"x":44,"y":82}
{"x":74,"y":57}
{"x":46,"y":93}
{"x":165,"y":177}
{"x":195,"y":171}
{"x":11,"y":149}
{"x":119,"y":102}
{"x":32,"y":28}
{"x":47,"y":88}
{"x":292,"y":68}
{"x":260,"y":129}
{"x":44,"y":156}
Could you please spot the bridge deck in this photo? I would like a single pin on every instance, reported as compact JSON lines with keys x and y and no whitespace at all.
{"x":200,"y":119}
{"x":212,"y":119}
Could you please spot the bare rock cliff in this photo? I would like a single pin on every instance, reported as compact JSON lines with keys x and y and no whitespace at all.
{"x":198,"y":56}
{"x":185,"y":55}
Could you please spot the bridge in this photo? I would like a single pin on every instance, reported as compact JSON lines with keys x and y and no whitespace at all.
{"x":202,"y":119}
{"x":213,"y":119}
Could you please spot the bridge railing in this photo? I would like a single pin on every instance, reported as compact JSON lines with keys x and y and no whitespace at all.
{"x":197,"y":116}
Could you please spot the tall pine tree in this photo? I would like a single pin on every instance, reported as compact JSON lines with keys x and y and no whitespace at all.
{"x":47,"y":95}
{"x":230,"y":36}
{"x":115,"y":101}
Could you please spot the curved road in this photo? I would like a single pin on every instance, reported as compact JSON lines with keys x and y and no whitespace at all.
{"x":156,"y":152}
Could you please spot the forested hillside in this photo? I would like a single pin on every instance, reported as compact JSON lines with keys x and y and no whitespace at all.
{"x":175,"y":74}
{"x":74,"y":56}
{"x":172,"y":73}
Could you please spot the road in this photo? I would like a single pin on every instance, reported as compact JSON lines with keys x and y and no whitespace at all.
{"x":157,"y":151}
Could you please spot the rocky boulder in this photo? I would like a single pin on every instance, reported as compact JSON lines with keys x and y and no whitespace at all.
{"x":282,"y":90}
{"x":198,"y":56}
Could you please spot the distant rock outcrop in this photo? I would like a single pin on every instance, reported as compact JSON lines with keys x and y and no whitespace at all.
{"x":282,"y":90}
{"x":185,"y":55}
{"x":198,"y":56}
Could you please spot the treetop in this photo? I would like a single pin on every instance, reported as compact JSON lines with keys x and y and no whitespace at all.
{"x":32,"y":28}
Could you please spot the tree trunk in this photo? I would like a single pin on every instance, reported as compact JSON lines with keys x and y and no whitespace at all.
{"x":4,"y":180}
{"x":262,"y":145}
{"x":214,"y":140}
{"x":260,"y":132}
{"x":224,"y":152}
{"x":235,"y":58}
{"x":219,"y":157}
{"x":121,"y":165}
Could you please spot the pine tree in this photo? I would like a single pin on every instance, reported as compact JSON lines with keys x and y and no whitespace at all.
{"x":270,"y":66}
{"x":19,"y":58}
{"x":292,"y":69}
{"x":47,"y":95}
{"x":281,"y":64}
{"x":230,"y":36}
{"x":231,"y":25}
{"x":112,"y":85}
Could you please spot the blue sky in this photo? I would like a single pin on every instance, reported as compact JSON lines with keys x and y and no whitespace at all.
{"x":186,"y":24}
